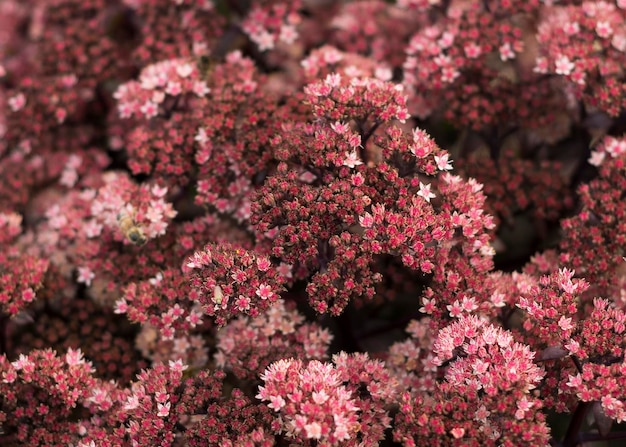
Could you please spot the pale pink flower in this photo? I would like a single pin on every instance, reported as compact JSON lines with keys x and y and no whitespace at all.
{"x":121,"y":306}
{"x":352,"y":159}
{"x":425,"y":192}
{"x":201,"y":136}
{"x":566,"y":323}
{"x":472,"y":50}
{"x":457,"y":432}
{"x":288,"y":34}
{"x":575,"y":381}
{"x":17,"y":102}
{"x":184,"y":70}
{"x":264,"y":40}
{"x":264,"y":292}
{"x":563,"y":66}
{"x":74,"y":357}
{"x":604,"y":29}
{"x":163,"y":409}
{"x":506,"y":52}
{"x":443,"y":162}
{"x":149,"y":109}
{"x":366,"y":221}
{"x":85,"y":276}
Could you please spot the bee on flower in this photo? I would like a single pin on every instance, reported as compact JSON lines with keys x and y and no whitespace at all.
{"x":129,"y":228}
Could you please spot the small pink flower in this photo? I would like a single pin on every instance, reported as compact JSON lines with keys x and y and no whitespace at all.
{"x":242,"y":303}
{"x":17,"y":102}
{"x":149,"y":109}
{"x":313,"y":430}
{"x":575,"y":381}
{"x":566,"y":323}
{"x":28,"y":295}
{"x":357,"y":179}
{"x":563,"y":66}
{"x":263,"y":263}
{"x":85,"y":276}
{"x":455,"y":309}
{"x":572,"y":346}
{"x":472,"y":50}
{"x":506,"y":52}
{"x":339,"y":127}
{"x":74,"y":357}
{"x":366,"y":221}
{"x":604,"y":29}
{"x":184,"y":70}
{"x":201,"y":136}
{"x":352,"y":159}
{"x":428,"y":306}
{"x":457,"y":432}
{"x":163,"y":409}
{"x":177,"y":366}
{"x":276,"y":403}
{"x":449,"y":74}
{"x":425,"y":192}
{"x":9,"y":376}
{"x":60,"y":114}
{"x":354,"y":140}
{"x":288,"y":34}
{"x":443,"y":163}
{"x":264,"y":40}
{"x":264,"y":292}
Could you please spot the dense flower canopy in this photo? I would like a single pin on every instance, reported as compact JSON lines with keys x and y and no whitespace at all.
{"x":217,"y":218}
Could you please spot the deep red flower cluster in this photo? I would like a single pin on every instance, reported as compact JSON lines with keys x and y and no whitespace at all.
{"x":485,"y":397}
{"x":247,"y":346}
{"x":601,"y":224}
{"x":230,"y":280}
{"x":586,"y":45}
{"x":514,"y":185}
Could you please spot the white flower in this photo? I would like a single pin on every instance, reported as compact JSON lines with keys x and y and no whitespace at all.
{"x":563,"y":66}
{"x":85,"y":276}
{"x":163,"y":409}
{"x":506,"y":52}
{"x":425,"y":192}
{"x":201,"y":137}
{"x":443,"y":162}
{"x":596,"y":158}
{"x":352,"y":159}
{"x":184,"y":70}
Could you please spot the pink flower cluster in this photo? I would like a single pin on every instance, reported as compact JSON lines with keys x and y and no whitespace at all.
{"x":550,"y":305}
{"x":485,"y":397}
{"x":599,"y":225}
{"x":162,"y":302}
{"x":202,"y":202}
{"x":40,"y":392}
{"x":247,"y":346}
{"x":412,"y":360}
{"x":474,"y":58}
{"x":230,"y":281}
{"x":311,"y":400}
{"x":271,"y":24}
{"x":21,"y":274}
{"x":169,"y":29}
{"x":324,"y":402}
{"x":600,"y":346}
{"x":586,"y":45}
{"x":365,"y":156}
{"x":514,"y":185}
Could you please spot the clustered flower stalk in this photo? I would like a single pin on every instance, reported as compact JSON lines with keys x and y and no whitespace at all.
{"x":286,"y":222}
